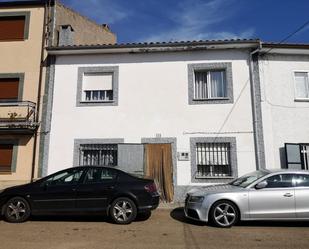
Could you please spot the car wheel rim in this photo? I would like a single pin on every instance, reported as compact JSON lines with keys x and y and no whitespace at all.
{"x":16,"y":210}
{"x":225,"y":214}
{"x":122,"y":211}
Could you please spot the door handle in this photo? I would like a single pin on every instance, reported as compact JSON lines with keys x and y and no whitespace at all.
{"x":73,"y":189}
{"x":110,"y":187}
{"x":287,"y":195}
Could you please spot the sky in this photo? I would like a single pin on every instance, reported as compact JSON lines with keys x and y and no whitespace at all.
{"x":176,"y":20}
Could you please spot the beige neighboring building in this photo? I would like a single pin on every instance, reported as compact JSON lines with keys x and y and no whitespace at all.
{"x":26,"y":28}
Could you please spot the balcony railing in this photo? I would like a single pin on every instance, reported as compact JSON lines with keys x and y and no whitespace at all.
{"x":18,"y":116}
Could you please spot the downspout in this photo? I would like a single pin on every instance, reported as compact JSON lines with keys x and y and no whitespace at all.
{"x":37,"y":117}
{"x":256,"y":111}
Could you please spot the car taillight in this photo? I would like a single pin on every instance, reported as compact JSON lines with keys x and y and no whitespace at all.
{"x":151,"y":187}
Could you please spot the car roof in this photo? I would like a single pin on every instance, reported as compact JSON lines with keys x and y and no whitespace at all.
{"x":286,"y":171}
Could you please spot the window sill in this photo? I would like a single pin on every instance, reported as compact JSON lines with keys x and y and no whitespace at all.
{"x":13,"y":40}
{"x":211,"y":99}
{"x":301,"y":100}
{"x":6,"y":173}
{"x":214,"y":177}
{"x":96,"y":102}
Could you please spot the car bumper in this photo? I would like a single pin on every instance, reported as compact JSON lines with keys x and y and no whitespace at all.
{"x":196,"y":211}
{"x":154,"y":203}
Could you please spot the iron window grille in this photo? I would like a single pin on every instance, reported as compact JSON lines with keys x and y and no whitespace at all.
{"x":213,"y":160}
{"x":210,"y":85}
{"x":98,"y":95}
{"x":98,"y":154}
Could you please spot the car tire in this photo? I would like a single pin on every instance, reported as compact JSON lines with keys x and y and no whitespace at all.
{"x":224,"y":214}
{"x":17,"y":210}
{"x":123,"y":210}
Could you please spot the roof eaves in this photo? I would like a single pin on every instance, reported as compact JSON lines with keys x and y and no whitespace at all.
{"x":286,"y":45}
{"x":156,"y":45}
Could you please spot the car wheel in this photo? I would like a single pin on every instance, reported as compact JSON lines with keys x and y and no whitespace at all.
{"x":17,"y":210}
{"x":224,"y":214}
{"x":123,"y":210}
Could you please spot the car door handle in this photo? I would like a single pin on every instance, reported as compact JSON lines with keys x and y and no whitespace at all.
{"x":110,"y":187}
{"x":287,"y":195}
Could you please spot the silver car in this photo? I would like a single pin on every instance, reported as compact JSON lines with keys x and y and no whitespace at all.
{"x":260,"y":195}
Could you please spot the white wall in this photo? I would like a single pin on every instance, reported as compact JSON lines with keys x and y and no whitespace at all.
{"x":153,"y":98}
{"x":284,"y":120}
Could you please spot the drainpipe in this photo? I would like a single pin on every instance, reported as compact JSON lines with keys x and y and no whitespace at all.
{"x":37,"y":116}
{"x":256,"y":107}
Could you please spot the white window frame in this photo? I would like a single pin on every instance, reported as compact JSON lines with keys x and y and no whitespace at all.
{"x":205,"y":67}
{"x":84,"y":95}
{"x":114,"y":70}
{"x":209,"y":85}
{"x":296,"y":98}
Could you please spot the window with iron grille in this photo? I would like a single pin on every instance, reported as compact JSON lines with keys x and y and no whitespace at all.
{"x":98,"y":154}
{"x":210,"y":84}
{"x":213,"y":160}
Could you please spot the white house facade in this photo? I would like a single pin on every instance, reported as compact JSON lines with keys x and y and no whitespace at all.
{"x":188,"y":114}
{"x":127,"y":110}
{"x":284,"y":72}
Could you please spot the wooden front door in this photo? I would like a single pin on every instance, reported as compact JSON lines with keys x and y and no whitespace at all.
{"x":159,"y":166}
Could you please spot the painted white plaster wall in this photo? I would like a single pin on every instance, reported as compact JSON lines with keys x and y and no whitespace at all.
{"x":284,"y":119}
{"x":153,"y":98}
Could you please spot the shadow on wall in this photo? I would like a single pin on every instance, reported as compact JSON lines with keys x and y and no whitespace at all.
{"x":282,"y":158}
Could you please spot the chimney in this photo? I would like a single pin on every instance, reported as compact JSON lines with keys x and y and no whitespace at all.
{"x":66,"y":35}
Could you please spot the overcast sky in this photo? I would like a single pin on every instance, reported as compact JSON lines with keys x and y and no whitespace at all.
{"x":172,"y":20}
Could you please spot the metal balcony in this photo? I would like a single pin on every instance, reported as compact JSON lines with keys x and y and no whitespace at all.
{"x":17,"y":117}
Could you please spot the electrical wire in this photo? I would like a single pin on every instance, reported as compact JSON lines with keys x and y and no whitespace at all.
{"x":290,"y":35}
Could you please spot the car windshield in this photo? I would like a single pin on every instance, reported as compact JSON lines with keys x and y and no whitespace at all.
{"x":246,"y":180}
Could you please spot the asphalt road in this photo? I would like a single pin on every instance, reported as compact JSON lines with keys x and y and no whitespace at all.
{"x":164,"y":229}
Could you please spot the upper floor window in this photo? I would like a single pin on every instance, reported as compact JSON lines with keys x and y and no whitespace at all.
{"x":9,"y":89}
{"x":210,"y":83}
{"x":97,"y":86}
{"x":14,"y":26}
{"x":301,"y":85}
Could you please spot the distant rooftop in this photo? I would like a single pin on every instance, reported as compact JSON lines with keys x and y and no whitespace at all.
{"x":24,"y":3}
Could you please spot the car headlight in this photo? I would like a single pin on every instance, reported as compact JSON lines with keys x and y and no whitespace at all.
{"x":196,"y":198}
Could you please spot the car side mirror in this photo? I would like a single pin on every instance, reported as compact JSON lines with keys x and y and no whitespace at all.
{"x":261,"y":185}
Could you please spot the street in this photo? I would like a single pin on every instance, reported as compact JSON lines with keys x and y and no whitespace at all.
{"x":166,"y":228}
